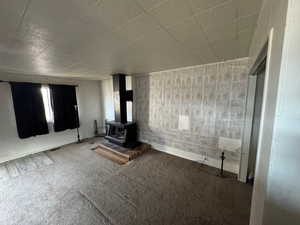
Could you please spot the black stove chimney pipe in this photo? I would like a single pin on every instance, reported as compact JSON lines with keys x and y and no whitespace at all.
{"x":120,"y":97}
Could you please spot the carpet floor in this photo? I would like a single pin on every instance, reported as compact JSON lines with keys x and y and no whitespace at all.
{"x":74,"y":186}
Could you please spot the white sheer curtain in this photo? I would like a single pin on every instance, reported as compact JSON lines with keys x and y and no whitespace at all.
{"x":48,"y":106}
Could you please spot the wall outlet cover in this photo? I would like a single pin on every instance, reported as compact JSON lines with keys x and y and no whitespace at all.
{"x":184,"y":122}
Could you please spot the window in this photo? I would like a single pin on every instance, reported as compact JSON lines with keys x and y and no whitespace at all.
{"x":48,"y":106}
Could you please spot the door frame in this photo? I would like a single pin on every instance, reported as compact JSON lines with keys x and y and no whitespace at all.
{"x":264,"y":54}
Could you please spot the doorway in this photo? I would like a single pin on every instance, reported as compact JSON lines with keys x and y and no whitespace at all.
{"x":255,"y":114}
{"x":256,"y":119}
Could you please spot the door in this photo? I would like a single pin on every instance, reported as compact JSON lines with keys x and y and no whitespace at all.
{"x":259,"y":90}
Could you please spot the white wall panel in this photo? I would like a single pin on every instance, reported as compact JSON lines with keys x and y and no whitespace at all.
{"x":272,"y":15}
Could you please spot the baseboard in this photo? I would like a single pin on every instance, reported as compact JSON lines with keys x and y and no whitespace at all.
{"x":19,"y":155}
{"x":24,"y":154}
{"x":229,"y":166}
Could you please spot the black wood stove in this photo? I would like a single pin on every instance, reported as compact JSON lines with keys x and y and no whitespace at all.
{"x":120,"y":131}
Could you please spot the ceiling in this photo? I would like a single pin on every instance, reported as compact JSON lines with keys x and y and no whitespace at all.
{"x":94,"y":38}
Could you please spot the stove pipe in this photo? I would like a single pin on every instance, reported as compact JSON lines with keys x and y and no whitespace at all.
{"x":121,"y":96}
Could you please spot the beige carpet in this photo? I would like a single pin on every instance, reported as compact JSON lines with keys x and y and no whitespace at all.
{"x":23,"y":165}
{"x":81,"y":187}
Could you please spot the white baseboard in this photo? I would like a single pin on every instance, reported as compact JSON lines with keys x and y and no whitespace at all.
{"x":14,"y":156}
{"x":229,"y":166}
{"x":18,"y":155}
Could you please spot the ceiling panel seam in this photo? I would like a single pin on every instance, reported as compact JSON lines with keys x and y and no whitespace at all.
{"x":213,"y":7}
{"x":236,"y":24}
{"x":23,"y":14}
{"x":201,"y":28}
{"x":156,"y":5}
{"x":210,"y":9}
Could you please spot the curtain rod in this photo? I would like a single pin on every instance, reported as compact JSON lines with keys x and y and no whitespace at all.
{"x":3,"y":81}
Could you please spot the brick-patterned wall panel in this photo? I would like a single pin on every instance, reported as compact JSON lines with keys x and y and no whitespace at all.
{"x":212,"y":97}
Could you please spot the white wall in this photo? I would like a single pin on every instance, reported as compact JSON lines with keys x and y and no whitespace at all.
{"x":89,"y":106}
{"x":273,"y":15}
{"x":107,"y":104}
{"x":11,"y":147}
{"x":106,"y":88}
{"x":282,"y":204}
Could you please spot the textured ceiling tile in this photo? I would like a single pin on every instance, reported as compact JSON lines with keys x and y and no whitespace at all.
{"x":48,"y":20}
{"x":89,"y":51}
{"x":201,"y":5}
{"x":244,"y":41}
{"x":11,"y":12}
{"x":220,"y":16}
{"x":157,"y":40}
{"x":248,"y":22}
{"x":246,"y":7}
{"x":190,"y":34}
{"x":171,"y":12}
{"x":204,"y":52}
{"x":117,"y":12}
{"x":16,"y":62}
{"x":95,"y":37}
{"x":161,"y":61}
{"x":227,"y":32}
{"x":149,"y":4}
{"x":226,"y":49}
{"x":159,"y":51}
{"x":188,"y":30}
{"x":142,"y":25}
{"x":88,"y":10}
{"x":27,"y":45}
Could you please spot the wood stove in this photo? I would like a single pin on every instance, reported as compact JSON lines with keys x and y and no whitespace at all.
{"x":120,"y":131}
{"x":122,"y":134}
